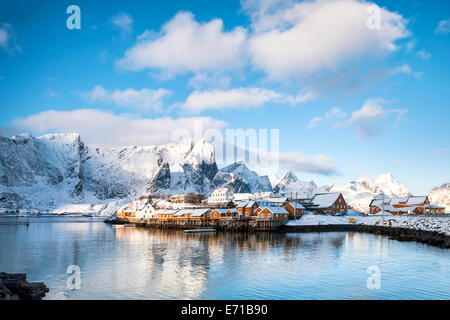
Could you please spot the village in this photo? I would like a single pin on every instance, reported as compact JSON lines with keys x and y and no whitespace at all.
{"x":263,"y":210}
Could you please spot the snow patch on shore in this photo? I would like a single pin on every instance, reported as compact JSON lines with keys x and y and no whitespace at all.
{"x":439,"y":224}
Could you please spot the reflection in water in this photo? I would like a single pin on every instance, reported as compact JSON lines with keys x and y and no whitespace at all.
{"x":133,"y":263}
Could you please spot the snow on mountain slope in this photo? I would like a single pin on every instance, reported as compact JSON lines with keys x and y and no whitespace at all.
{"x":58,"y":172}
{"x":273,"y":181}
{"x":441,"y":196}
{"x":194,"y":173}
{"x":291,"y":185}
{"x":360,"y":193}
{"x":40,"y":172}
{"x":255,"y":182}
{"x":390,"y":187}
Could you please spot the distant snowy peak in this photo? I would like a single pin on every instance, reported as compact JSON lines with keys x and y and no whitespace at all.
{"x":360,"y":193}
{"x":290,"y":185}
{"x":441,"y":196}
{"x":390,"y":187}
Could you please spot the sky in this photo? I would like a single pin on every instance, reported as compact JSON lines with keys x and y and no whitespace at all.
{"x":355,"y":88}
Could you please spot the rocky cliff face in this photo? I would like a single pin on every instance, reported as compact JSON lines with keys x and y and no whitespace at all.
{"x":59,"y":173}
{"x":255,"y":183}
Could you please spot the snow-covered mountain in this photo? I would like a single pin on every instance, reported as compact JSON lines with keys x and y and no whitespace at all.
{"x":291,"y":185}
{"x":59,"y":173}
{"x":441,"y":196}
{"x":194,"y":173}
{"x":359,"y":193}
{"x":256,"y":183}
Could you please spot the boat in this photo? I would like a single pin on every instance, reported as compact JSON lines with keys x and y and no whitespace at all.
{"x":130,"y":225}
{"x":199,"y":230}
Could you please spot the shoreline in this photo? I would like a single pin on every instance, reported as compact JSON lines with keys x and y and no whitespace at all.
{"x":432,"y":238}
{"x":400,"y":233}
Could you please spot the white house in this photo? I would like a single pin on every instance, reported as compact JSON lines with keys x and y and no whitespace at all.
{"x":139,"y":209}
{"x":221,"y":195}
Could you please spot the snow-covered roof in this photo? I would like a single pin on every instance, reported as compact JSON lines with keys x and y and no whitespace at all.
{"x":242,"y":204}
{"x":166,"y":211}
{"x":277,"y":199}
{"x":398,"y":200}
{"x":296,"y":205}
{"x":376,"y":202}
{"x":432,"y":206}
{"x":250,"y":203}
{"x":417,"y":200}
{"x":325,"y":200}
{"x":221,"y":210}
{"x":279,"y":210}
{"x":387,"y":207}
{"x":242,"y":196}
{"x":198,"y":212}
{"x":182,"y":212}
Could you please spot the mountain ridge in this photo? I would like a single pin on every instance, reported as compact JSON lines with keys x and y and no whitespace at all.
{"x":59,"y":172}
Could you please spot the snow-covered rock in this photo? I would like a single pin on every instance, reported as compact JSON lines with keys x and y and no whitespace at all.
{"x":441,"y":196}
{"x":255,"y":182}
{"x":291,"y":185}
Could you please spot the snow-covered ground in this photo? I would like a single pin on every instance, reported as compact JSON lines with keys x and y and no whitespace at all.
{"x":428,"y":223}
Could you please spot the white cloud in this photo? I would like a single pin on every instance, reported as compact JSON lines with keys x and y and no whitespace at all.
{"x":7,"y":39}
{"x":106,"y":129}
{"x":425,"y":55}
{"x":333,"y":114}
{"x":443,"y":26}
{"x":320,"y":164}
{"x":405,"y":69}
{"x":201,"y":80}
{"x":199,"y":101}
{"x":124,"y":22}
{"x":143,"y":99}
{"x":185,"y":45}
{"x":367,"y":120}
{"x":295,"y":39}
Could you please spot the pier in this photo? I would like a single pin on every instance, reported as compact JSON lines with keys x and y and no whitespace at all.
{"x":246,"y":225}
{"x":14,"y":223}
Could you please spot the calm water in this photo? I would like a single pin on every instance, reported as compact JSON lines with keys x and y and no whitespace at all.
{"x":130,"y":263}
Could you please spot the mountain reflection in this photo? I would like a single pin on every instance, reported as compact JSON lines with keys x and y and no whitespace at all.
{"x":137,"y":263}
{"x":178,"y":264}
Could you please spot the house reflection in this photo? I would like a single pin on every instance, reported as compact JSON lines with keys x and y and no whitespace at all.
{"x":177,"y":264}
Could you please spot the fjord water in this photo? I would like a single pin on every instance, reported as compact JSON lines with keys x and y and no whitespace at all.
{"x":134,"y":263}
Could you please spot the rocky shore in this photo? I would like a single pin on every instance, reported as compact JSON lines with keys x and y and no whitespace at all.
{"x":433,"y":238}
{"x":16,"y":287}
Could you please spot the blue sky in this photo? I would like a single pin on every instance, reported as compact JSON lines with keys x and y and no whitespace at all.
{"x":348,"y":100}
